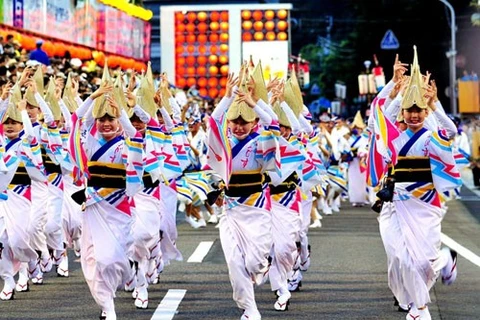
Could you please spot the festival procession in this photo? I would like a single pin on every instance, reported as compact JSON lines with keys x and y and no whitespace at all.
{"x":250,"y":160}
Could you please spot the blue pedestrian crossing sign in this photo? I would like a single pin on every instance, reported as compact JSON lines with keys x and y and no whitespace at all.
{"x":389,"y":41}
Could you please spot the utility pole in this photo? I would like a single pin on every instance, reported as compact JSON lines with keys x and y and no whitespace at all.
{"x":451,"y":55}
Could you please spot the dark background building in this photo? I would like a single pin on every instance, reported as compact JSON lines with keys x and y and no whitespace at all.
{"x":345,"y":33}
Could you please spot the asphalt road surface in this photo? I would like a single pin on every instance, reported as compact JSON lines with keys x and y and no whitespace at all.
{"x":347,"y":278}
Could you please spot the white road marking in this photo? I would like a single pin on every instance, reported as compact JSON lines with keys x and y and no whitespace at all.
{"x":461,"y":250}
{"x":167,"y":309}
{"x":201,"y":251}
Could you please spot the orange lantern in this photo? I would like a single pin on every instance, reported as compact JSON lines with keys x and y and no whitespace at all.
{"x":222,"y":92}
{"x":246,"y":36}
{"x":214,"y":16}
{"x":202,"y":82}
{"x":201,"y":71}
{"x":213,"y":49}
{"x":191,"y":38}
{"x":190,"y":60}
{"x":224,"y":37}
{"x":224,"y":15}
{"x":282,"y":14}
{"x":247,"y":25}
{"x":202,"y":27}
{"x":202,"y":16}
{"x":202,"y":38}
{"x":181,"y":71}
{"x":191,"y":82}
{"x":224,"y":26}
{"x":191,"y":16}
{"x":282,"y":25}
{"x":223,"y":81}
{"x":179,"y":16}
{"x":212,"y":59}
{"x":270,"y":36}
{"x":180,"y":28}
{"x":282,"y":36}
{"x":202,"y":60}
{"x":190,"y":28}
{"x":214,"y":26}
{"x":213,"y":37}
{"x":223,"y":59}
{"x":213,"y":70}
{"x":258,"y":25}
{"x":258,"y":36}
{"x":202,"y":49}
{"x":257,"y":15}
{"x":269,"y":14}
{"x":246,"y":14}
{"x":203,"y":92}
{"x":269,"y":25}
{"x":178,"y":50}
{"x":180,"y":38}
{"x":213,"y":92}
{"x":224,"y":72}
{"x":223,"y":48}
{"x":180,"y":61}
{"x":191,"y":48}
{"x":181,"y":82}
{"x":212,"y":82}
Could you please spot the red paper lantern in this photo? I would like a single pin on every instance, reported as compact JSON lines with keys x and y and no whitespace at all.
{"x":202,"y":82}
{"x":202,"y":60}
{"x":223,"y":59}
{"x":212,"y":82}
{"x":282,"y":25}
{"x":269,"y":14}
{"x":181,"y":82}
{"x":191,"y":16}
{"x":202,"y":38}
{"x":224,"y":15}
{"x":223,"y":81}
{"x":202,"y":16}
{"x":191,"y":82}
{"x":213,"y":92}
{"x":191,"y":49}
{"x":224,"y":71}
{"x":214,"y":26}
{"x":282,"y":14}
{"x":191,"y":71}
{"x":213,"y":37}
{"x":202,"y":49}
{"x":190,"y":60}
{"x":213,"y":70}
{"x":246,"y":14}
{"x":191,"y":38}
{"x":180,"y":61}
{"x":223,"y":48}
{"x":282,"y":36}
{"x":202,"y":27}
{"x":203,"y":92}
{"x":269,"y":25}
{"x":258,"y":25}
{"x":214,"y":16}
{"x":224,"y":37}
{"x":258,"y":36}
{"x":212,"y":59}
{"x":257,"y":15}
{"x":247,"y":36}
{"x":179,"y":16}
{"x":190,"y":28}
{"x":201,"y":71}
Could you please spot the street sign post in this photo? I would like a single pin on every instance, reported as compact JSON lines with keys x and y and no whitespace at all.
{"x":389,"y":41}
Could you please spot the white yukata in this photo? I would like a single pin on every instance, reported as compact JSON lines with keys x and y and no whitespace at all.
{"x":21,"y":154}
{"x":246,"y":228}
{"x":107,"y":219}
{"x":410,"y":226}
{"x":357,"y":179}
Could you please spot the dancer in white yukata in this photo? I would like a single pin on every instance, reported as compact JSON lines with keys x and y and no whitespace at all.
{"x":245,"y":230}
{"x":114,"y":171}
{"x":357,"y":178}
{"x":423,"y":167}
{"x":20,"y":163}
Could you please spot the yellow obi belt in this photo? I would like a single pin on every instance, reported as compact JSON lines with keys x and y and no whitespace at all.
{"x":107,"y":175}
{"x":21,"y":177}
{"x":245,"y":183}
{"x":413,"y":169}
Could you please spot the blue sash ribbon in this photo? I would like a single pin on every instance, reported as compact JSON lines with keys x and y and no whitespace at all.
{"x":105,"y":147}
{"x":236,"y":149}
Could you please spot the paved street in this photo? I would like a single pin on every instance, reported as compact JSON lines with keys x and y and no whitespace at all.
{"x":347,"y":278}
